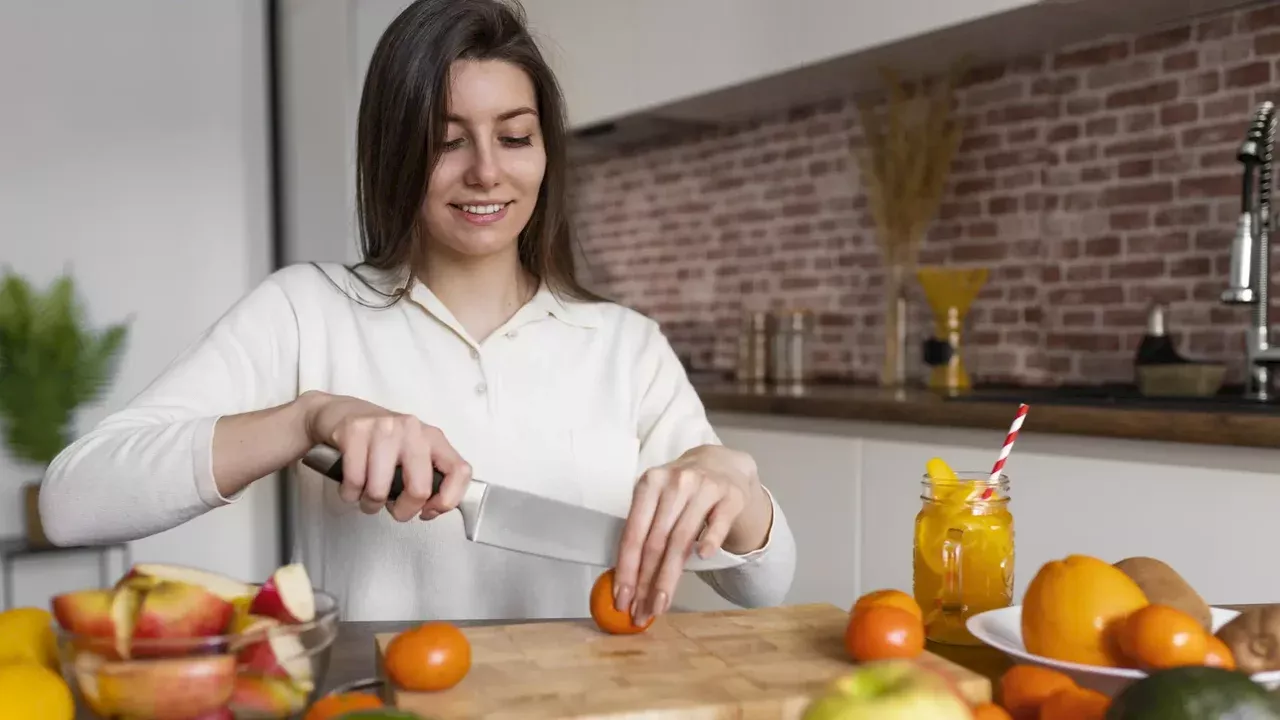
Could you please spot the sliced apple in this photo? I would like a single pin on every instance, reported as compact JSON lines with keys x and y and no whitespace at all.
{"x":287,"y":596}
{"x":106,"y":617}
{"x":224,"y":587}
{"x":270,"y":648}
{"x":178,"y":611}
{"x":267,"y":697}
{"x":167,"y":689}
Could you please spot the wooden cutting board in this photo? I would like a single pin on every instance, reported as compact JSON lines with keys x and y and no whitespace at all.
{"x":742,"y":664}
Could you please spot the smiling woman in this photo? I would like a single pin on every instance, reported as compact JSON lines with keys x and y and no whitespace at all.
{"x":462,"y":343}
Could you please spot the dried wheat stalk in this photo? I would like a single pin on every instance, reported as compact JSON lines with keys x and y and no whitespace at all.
{"x":907,"y":160}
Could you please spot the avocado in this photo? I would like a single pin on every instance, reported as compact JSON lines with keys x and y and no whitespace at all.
{"x":1194,"y":693}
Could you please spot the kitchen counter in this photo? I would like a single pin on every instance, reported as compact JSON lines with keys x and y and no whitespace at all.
{"x":353,"y":654}
{"x":1212,"y":422}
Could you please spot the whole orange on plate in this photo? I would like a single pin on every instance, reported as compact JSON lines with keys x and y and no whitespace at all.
{"x":1024,"y":688}
{"x":433,"y":656}
{"x":883,"y":632}
{"x":334,"y":706}
{"x":1158,"y":636}
{"x":608,"y":619}
{"x":891,"y":597}
{"x":1072,"y":608}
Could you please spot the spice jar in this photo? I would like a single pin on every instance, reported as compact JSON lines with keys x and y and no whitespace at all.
{"x":791,"y":343}
{"x":753,"y":348}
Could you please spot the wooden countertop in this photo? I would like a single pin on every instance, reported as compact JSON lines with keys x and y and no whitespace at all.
{"x":1213,"y":425}
{"x":352,"y":658}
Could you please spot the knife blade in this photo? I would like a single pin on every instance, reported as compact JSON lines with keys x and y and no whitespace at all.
{"x":527,"y":523}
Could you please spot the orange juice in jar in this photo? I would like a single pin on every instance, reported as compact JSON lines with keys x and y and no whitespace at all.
{"x":963,"y":556}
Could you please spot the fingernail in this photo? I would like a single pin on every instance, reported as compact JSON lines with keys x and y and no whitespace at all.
{"x":622,"y":597}
{"x":660,"y":603}
{"x":430,"y":515}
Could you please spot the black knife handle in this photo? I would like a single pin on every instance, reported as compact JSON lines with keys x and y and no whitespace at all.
{"x":328,"y":462}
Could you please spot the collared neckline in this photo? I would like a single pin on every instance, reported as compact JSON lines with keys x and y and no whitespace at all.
{"x":543,"y":303}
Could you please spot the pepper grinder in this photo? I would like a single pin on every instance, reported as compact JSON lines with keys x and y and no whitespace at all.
{"x":1157,"y":347}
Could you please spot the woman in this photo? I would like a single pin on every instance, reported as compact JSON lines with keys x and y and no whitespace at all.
{"x":463,"y":342}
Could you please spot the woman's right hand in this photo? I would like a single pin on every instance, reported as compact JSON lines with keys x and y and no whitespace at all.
{"x":373,"y":441}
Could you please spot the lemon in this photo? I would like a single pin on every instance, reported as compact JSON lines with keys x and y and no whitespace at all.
{"x":938,"y":469}
{"x":34,"y":692}
{"x":26,"y":635}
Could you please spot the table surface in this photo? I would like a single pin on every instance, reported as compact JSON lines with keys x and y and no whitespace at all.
{"x":353,"y":659}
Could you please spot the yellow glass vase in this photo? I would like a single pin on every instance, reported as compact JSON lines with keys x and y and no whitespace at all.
{"x":950,"y":293}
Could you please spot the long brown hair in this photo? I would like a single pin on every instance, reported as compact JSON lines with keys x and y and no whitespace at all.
{"x":401,"y":130}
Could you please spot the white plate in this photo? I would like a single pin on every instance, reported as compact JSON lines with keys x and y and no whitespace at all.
{"x":1002,"y":630}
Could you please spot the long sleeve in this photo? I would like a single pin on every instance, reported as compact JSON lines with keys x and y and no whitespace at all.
{"x":149,"y":467}
{"x":672,"y":420}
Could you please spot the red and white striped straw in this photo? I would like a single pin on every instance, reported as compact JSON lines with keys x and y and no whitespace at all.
{"x":1006,"y":448}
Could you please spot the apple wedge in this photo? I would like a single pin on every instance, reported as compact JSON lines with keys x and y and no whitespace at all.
{"x":167,"y":689}
{"x":178,"y":611}
{"x":269,"y":648}
{"x":148,"y":574}
{"x":267,"y":697}
{"x":106,"y":617}
{"x":287,"y":596}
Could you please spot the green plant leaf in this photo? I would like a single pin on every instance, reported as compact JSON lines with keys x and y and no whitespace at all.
{"x":51,"y":363}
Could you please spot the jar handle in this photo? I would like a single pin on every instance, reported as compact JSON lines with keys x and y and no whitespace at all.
{"x":951,"y":599}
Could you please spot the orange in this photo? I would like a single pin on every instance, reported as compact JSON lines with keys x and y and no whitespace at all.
{"x":1159,"y":636}
{"x":990,"y":711}
{"x":1075,"y":704}
{"x":894,"y":598}
{"x":432,"y":656}
{"x":1218,"y":654}
{"x":1071,"y":610}
{"x":616,"y":622}
{"x":333,"y":706}
{"x":1024,"y":688}
{"x":882,"y":632}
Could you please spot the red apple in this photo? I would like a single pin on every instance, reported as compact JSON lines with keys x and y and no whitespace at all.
{"x":166,"y":689}
{"x":106,"y":615}
{"x":287,"y":596}
{"x":148,"y":574}
{"x":269,"y":648}
{"x":178,"y":611}
{"x":266,"y":697}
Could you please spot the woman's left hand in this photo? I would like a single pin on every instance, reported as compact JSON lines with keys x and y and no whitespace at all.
{"x":709,"y":485}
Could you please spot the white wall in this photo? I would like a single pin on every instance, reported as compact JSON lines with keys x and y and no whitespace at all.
{"x":133,"y":149}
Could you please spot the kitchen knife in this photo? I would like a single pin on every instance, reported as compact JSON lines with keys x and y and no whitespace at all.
{"x":516,"y":520}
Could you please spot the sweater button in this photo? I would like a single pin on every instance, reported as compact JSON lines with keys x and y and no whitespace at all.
{"x":481,"y":389}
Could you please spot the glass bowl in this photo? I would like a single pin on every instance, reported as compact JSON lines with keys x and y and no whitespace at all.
{"x":269,"y":670}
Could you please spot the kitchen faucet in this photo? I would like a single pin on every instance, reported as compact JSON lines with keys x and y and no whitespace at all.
{"x":1251,"y":252}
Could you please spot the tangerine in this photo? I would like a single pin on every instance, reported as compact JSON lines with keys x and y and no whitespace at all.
{"x":1159,"y":636}
{"x":334,"y":706}
{"x":882,"y":632}
{"x":433,"y":656}
{"x":990,"y":711}
{"x":891,"y":597}
{"x":1024,"y":688}
{"x":609,"y":619}
{"x":1218,"y":654}
{"x":1075,"y":703}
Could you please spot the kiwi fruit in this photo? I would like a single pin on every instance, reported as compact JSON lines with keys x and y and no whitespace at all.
{"x":1164,"y":586}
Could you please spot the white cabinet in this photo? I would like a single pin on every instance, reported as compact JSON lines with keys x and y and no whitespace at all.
{"x":815,"y":479}
{"x":851,"y":491}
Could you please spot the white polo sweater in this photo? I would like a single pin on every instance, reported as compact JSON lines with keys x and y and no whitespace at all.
{"x":569,"y":400}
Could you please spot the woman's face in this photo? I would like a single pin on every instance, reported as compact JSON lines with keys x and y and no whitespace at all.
{"x":483,"y":190}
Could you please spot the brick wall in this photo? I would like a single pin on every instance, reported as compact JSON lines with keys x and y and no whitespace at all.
{"x":1093,"y":181}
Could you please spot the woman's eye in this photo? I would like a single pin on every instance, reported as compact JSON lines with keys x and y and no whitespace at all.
{"x":518,"y":141}
{"x":453,"y":144}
